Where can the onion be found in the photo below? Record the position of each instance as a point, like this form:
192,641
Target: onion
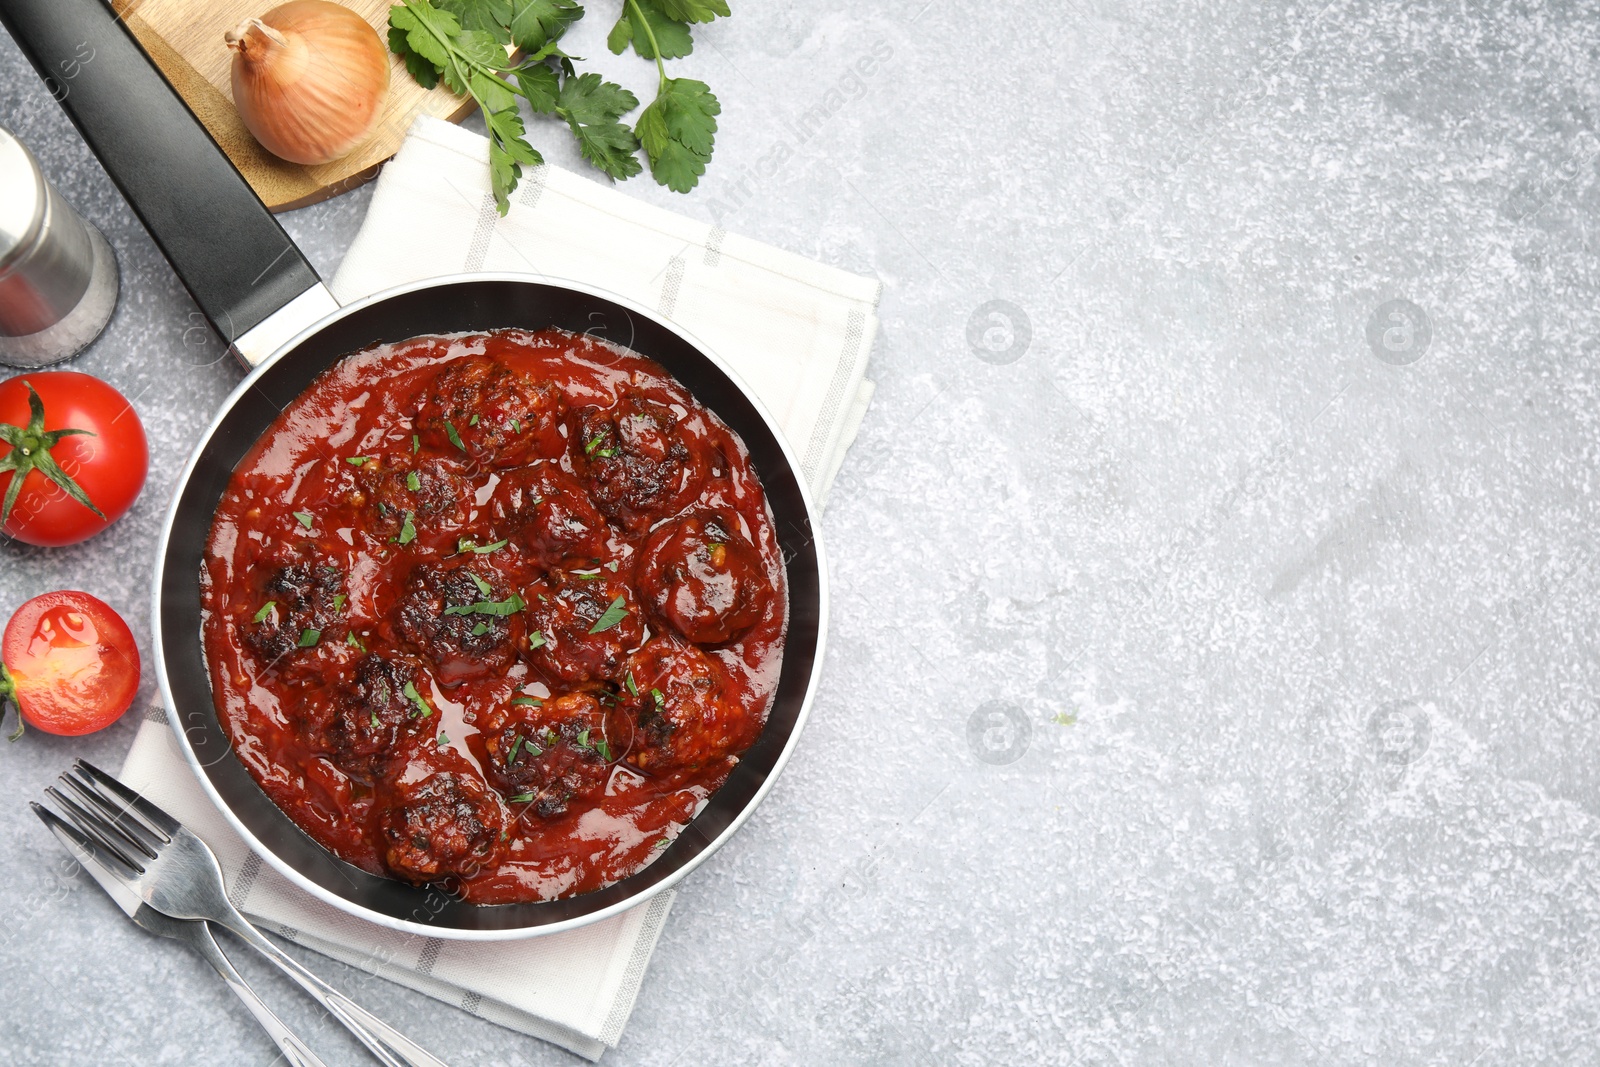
309,78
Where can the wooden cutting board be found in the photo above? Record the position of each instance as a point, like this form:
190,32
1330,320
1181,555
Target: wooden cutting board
184,38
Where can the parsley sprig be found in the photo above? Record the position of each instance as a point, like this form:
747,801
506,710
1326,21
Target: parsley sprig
468,44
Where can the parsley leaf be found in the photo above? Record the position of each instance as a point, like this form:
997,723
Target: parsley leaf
354,642
520,798
633,687
613,615
339,601
511,757
536,640
483,586
306,518
591,107
480,629
693,10
266,609
308,637
357,461
455,438
413,483
423,707
465,545
677,131
408,530
646,24
509,606
603,748
536,23
533,702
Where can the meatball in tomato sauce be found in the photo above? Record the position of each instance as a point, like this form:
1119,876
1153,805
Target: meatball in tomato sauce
552,754
639,460
491,413
375,713
581,625
549,516
685,718
466,624
703,578
440,819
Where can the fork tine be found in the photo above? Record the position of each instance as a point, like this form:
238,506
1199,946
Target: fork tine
147,839
59,826
152,814
107,838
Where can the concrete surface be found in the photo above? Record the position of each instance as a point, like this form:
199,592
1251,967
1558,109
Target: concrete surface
1213,674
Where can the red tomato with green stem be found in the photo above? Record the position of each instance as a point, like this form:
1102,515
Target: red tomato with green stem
69,663
73,457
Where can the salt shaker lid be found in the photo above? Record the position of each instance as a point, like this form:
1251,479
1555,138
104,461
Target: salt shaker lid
22,198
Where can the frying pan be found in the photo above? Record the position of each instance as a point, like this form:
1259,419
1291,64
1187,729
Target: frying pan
266,302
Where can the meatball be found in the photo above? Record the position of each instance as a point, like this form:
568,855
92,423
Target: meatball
685,721
549,515
301,600
495,415
435,616
440,819
581,625
375,712
548,756
434,492
703,578
639,461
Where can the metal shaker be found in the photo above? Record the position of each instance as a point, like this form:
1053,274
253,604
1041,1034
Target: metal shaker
58,277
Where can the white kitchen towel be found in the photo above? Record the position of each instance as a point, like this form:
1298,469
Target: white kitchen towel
796,331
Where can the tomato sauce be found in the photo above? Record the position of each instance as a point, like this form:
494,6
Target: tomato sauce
494,611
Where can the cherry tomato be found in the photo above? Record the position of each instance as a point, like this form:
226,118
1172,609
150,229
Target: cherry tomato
79,451
70,664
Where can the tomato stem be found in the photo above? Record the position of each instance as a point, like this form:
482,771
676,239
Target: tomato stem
30,451
8,695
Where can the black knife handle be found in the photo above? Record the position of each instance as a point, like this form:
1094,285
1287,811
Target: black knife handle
220,238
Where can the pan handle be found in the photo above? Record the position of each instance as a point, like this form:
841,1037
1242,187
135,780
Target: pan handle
223,242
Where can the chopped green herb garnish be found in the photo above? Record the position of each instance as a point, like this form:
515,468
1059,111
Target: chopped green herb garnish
516,426
306,518
309,637
455,438
661,843
423,707
443,740
516,744
483,586
613,615
474,420
583,738
467,545
338,601
520,798
416,444
413,483
593,444
606,453
536,640
354,642
480,629
509,606
266,609
375,723
604,749
527,701
661,701
356,461
612,566
408,530
633,687
586,576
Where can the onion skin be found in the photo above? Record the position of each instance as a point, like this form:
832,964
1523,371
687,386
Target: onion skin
309,79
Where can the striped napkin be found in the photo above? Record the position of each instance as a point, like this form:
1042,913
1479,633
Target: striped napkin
796,331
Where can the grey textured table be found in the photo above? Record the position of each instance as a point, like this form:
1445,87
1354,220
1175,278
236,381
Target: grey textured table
1213,673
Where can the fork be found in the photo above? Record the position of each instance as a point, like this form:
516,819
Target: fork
195,934
177,874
